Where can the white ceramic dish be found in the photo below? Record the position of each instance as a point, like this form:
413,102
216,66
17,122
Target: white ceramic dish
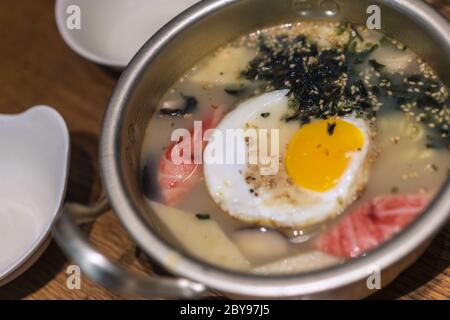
112,31
33,169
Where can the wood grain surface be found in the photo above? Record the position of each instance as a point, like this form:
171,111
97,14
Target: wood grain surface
37,67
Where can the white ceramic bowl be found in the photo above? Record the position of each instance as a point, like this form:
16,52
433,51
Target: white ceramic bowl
112,31
33,170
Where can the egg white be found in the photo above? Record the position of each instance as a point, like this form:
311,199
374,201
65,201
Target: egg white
278,202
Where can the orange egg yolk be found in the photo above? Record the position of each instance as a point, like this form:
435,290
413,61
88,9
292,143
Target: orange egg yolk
320,152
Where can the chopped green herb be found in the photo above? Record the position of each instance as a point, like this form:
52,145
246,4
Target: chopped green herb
385,41
376,65
358,57
415,78
293,103
330,128
236,90
191,104
401,47
202,216
358,35
341,29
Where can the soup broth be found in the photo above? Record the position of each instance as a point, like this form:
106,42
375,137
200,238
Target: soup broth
384,114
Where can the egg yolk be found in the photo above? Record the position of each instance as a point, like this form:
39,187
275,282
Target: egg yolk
320,152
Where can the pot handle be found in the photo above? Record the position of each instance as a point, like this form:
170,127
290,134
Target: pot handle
103,271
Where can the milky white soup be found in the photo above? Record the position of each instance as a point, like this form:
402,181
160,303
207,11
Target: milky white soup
362,132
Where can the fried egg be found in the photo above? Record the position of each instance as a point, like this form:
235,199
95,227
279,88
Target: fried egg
321,166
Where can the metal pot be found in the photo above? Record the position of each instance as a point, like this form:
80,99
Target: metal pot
158,64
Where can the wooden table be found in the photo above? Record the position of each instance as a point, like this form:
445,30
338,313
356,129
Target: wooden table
36,67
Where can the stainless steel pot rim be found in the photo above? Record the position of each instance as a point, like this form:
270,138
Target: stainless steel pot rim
421,230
